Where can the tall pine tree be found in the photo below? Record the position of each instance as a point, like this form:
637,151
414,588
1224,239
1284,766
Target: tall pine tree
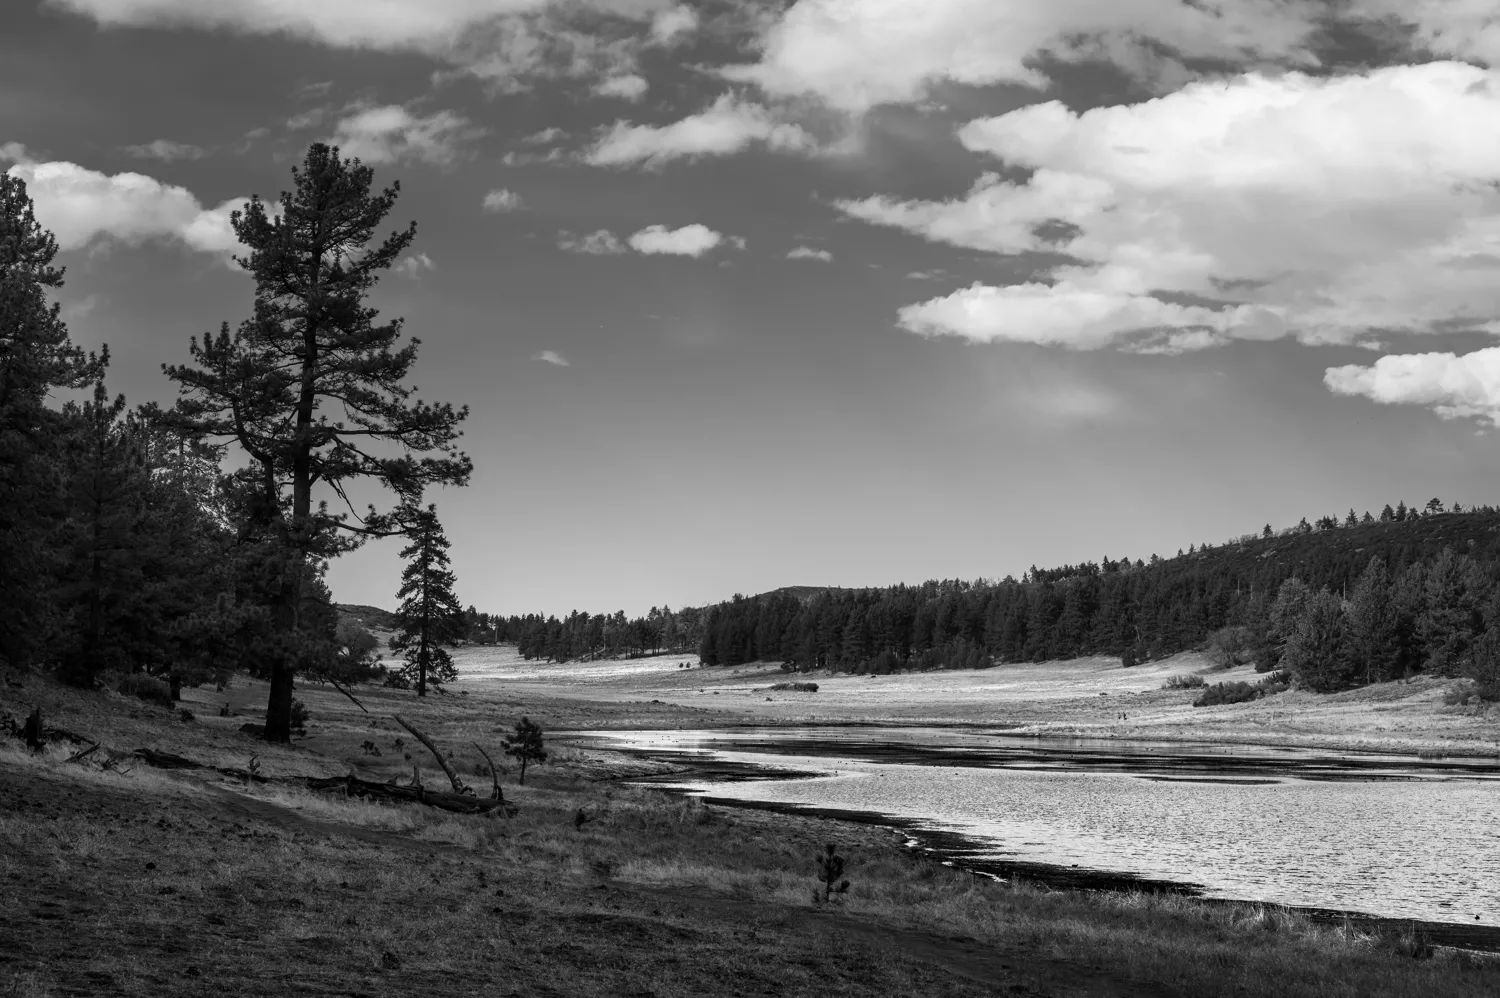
430,616
315,391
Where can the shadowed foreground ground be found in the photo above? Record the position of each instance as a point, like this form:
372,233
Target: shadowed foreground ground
153,883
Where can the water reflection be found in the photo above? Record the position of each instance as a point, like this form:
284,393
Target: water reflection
1383,835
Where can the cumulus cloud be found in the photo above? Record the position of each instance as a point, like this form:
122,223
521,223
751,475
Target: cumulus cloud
690,240
83,206
502,200
392,133
855,54
1062,315
413,265
551,357
166,151
628,86
727,126
1451,385
599,243
808,253
1341,207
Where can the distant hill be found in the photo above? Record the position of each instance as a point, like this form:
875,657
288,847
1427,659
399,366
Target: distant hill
1138,609
372,617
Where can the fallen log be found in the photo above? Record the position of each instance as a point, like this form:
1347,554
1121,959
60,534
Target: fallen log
166,760
369,790
458,785
82,754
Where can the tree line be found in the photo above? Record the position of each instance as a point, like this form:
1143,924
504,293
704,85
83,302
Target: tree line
1223,597
581,635
191,541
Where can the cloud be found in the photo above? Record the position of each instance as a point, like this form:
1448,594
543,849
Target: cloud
1463,29
1343,207
413,265
551,357
727,126
507,44
13,152
545,136
1453,386
670,25
1062,315
855,54
311,118
166,151
502,200
391,133
690,240
628,86
600,243
808,253
83,206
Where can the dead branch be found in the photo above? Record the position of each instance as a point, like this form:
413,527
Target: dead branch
456,803
458,785
82,754
497,793
346,693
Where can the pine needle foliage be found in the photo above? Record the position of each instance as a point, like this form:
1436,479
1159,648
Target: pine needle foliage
314,389
430,616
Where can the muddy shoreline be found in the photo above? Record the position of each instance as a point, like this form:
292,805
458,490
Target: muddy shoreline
965,854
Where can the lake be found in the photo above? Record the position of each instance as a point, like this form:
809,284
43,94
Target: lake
1387,836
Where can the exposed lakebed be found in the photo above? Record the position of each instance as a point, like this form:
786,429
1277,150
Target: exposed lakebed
1392,837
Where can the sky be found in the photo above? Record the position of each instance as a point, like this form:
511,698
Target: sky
828,292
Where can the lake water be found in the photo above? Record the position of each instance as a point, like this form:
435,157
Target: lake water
1386,836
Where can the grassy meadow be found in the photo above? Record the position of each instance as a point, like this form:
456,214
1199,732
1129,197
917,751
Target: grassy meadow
123,879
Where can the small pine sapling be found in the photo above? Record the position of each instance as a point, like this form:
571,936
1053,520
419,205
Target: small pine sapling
526,745
830,872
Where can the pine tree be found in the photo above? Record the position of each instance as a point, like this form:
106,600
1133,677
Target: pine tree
1351,520
525,745
430,616
314,391
36,359
1387,514
1372,636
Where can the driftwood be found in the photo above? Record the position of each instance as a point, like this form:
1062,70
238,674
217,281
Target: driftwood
496,793
458,785
456,803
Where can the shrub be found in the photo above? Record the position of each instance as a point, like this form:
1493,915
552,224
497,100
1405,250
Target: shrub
147,688
1220,693
299,717
1184,681
797,687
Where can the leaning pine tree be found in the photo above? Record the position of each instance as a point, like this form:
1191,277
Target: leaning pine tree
315,393
430,616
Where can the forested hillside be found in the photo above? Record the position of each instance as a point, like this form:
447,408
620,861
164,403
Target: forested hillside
1429,607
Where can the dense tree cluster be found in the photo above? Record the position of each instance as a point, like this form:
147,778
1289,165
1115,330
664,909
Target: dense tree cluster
581,635
193,541
1227,597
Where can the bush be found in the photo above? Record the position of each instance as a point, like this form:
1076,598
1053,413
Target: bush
1185,681
299,717
147,688
797,687
1221,693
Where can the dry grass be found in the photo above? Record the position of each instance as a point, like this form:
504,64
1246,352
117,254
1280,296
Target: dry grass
153,883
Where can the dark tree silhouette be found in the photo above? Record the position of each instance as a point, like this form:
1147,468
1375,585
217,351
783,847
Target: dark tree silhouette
430,616
314,390
525,745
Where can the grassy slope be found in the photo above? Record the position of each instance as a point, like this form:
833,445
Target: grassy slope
152,883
